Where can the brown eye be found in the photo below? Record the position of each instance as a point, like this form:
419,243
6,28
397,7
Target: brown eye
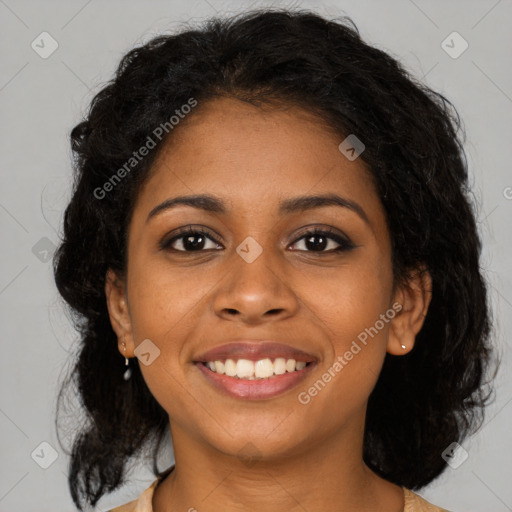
190,240
318,240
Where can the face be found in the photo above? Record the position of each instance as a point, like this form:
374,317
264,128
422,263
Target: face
255,271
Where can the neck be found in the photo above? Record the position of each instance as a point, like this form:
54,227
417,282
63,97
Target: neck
327,477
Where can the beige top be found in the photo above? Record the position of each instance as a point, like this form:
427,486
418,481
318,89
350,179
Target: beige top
144,503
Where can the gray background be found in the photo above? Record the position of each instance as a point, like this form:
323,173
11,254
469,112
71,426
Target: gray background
42,99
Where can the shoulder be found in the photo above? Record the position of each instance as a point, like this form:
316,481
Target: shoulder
127,507
142,504
415,503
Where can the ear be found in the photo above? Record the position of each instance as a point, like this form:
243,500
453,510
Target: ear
414,297
117,304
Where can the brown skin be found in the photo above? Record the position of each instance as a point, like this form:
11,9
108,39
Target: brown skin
309,456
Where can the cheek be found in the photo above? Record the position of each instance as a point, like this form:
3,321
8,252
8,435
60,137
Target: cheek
352,307
350,298
167,307
357,339
161,301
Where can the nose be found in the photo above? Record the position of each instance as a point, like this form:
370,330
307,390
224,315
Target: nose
255,292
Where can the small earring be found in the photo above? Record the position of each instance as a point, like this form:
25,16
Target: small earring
128,373
404,347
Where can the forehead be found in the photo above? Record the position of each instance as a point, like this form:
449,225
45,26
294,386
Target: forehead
253,157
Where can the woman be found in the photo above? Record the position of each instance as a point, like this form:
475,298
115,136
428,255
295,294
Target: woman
271,224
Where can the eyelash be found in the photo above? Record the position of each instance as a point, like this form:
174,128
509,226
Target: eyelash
344,243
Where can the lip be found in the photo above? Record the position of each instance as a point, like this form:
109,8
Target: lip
257,389
254,351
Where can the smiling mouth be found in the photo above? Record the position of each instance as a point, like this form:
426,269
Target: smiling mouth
245,369
253,380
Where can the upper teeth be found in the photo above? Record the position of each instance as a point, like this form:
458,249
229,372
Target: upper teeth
262,369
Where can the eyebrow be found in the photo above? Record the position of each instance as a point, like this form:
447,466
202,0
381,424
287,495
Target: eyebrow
212,204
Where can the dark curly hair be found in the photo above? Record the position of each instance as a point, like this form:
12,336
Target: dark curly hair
422,401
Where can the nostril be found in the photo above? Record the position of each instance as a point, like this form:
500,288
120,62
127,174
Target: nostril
273,312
